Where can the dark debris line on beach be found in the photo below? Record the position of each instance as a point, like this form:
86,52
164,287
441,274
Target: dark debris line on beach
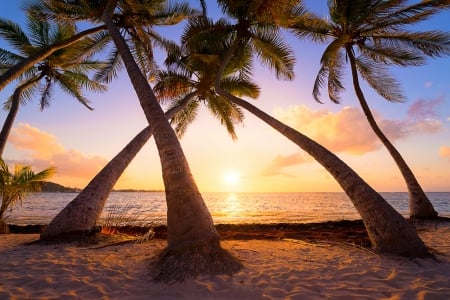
339,231
346,231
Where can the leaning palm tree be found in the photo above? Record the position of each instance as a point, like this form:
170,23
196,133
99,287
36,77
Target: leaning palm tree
388,231
370,35
67,67
193,242
15,186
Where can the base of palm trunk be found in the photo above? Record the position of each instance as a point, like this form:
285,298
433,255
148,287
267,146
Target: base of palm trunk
404,242
206,258
4,228
81,236
428,215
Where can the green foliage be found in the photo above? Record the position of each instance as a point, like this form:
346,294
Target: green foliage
68,67
380,34
15,186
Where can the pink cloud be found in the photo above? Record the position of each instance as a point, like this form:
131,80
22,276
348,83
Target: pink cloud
344,131
43,150
348,130
444,151
425,109
282,161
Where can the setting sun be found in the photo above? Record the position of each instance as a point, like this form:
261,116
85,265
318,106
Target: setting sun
231,177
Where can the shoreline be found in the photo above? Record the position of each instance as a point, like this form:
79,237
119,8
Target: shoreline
275,267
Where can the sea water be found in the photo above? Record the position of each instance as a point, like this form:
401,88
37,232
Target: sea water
144,208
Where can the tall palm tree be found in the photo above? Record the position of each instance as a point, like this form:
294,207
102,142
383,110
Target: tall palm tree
370,35
193,242
185,89
389,232
82,213
68,67
15,186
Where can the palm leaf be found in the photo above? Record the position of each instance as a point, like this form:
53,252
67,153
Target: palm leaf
379,79
275,54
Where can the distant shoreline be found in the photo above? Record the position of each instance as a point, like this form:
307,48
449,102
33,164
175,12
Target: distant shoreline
51,187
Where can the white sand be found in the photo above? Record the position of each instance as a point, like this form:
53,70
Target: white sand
273,270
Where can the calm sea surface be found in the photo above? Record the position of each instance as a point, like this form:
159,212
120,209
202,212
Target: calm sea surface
149,207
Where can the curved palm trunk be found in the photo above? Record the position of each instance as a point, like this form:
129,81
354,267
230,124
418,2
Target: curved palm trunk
388,231
419,204
193,242
27,63
82,213
7,125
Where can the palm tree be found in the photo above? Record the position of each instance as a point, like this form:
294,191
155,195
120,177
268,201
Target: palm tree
193,242
67,67
80,216
185,89
389,232
17,65
370,35
15,186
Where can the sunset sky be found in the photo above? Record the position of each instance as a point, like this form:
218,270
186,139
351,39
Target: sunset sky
79,142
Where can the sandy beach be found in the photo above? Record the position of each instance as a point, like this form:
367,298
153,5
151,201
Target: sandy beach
274,269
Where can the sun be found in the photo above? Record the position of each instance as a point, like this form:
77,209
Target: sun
231,177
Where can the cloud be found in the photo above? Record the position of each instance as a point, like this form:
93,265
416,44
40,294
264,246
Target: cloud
444,151
348,131
428,84
282,161
42,150
344,131
425,109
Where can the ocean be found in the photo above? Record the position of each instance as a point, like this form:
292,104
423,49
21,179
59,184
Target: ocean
146,208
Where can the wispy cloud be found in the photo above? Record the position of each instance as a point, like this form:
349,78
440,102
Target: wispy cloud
42,150
444,151
425,109
281,161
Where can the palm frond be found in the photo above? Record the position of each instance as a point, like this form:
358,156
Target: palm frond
228,114
46,94
429,43
170,85
15,36
379,79
389,54
392,14
69,85
113,64
275,53
8,59
311,28
184,118
239,87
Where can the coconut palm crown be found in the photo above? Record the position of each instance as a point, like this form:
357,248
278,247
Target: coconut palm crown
67,68
371,35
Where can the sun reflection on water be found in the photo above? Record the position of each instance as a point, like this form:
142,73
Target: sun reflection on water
232,205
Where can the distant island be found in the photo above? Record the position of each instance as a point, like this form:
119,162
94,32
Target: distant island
51,187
